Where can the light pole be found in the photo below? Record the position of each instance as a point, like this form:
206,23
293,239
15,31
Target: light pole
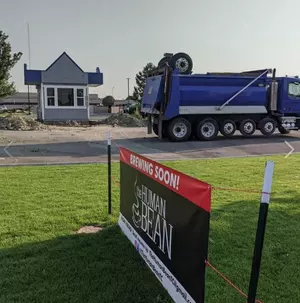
112,91
128,79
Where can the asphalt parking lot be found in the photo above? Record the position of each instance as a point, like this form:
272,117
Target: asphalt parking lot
58,145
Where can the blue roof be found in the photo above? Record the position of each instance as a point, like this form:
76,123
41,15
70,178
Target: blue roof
31,76
34,77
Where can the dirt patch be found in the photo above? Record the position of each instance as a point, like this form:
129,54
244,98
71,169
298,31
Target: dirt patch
68,123
14,110
89,229
20,122
124,120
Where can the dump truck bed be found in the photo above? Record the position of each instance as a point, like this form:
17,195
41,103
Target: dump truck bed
204,93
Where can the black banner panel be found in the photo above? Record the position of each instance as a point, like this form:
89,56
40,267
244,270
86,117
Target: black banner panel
165,214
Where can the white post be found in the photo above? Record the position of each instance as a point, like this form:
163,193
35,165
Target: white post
268,179
108,138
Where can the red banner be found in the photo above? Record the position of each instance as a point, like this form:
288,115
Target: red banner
188,187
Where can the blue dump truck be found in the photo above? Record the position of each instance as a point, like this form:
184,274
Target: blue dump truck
181,105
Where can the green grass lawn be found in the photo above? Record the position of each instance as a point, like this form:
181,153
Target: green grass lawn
42,259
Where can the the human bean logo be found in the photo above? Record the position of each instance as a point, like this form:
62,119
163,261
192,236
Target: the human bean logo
149,214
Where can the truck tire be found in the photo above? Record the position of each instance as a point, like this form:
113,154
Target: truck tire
247,127
283,131
182,62
267,126
207,129
227,128
162,62
179,130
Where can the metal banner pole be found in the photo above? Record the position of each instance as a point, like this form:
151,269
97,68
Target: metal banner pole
260,232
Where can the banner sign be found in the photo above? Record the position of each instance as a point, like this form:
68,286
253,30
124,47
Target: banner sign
165,214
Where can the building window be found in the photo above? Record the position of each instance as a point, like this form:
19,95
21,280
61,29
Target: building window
65,97
50,96
80,97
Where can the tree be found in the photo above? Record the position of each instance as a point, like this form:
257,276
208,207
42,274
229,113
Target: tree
108,101
140,80
130,98
7,61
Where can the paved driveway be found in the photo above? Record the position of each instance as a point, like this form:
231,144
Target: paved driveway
84,145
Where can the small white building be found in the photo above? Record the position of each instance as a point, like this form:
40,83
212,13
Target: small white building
63,90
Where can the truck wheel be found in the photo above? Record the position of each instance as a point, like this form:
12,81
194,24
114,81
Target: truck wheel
227,128
162,62
267,126
182,62
283,131
207,129
179,130
247,127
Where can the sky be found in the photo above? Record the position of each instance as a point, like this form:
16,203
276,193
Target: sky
122,36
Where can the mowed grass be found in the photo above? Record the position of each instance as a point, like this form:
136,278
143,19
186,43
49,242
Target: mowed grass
42,259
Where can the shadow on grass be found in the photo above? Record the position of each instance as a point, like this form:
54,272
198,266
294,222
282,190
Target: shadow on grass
102,267
232,237
105,267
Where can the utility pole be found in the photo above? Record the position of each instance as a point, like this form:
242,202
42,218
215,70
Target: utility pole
29,50
128,79
29,59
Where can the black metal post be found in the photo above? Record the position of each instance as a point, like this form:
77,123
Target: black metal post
261,226
109,172
260,232
149,124
163,104
29,105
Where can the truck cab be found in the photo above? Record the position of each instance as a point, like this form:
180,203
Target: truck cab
289,96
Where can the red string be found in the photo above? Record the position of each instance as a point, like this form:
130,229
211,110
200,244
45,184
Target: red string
118,146
240,190
224,188
229,282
